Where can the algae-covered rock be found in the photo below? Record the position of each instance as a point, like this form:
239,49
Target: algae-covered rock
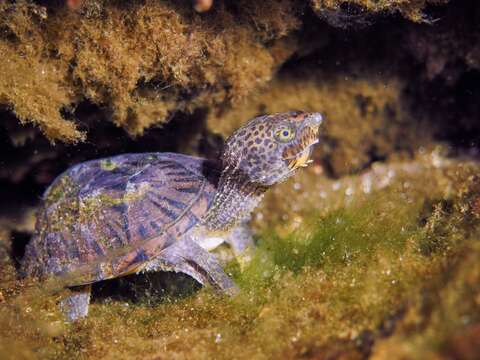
345,13
139,60
144,61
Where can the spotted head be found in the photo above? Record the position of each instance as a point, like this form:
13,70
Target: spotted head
268,149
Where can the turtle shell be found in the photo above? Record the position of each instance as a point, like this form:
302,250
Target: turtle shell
107,218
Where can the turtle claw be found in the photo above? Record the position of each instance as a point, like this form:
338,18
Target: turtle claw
232,291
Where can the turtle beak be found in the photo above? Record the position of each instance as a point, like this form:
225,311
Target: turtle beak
314,119
313,122
309,138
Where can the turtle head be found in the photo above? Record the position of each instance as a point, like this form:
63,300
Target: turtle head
268,149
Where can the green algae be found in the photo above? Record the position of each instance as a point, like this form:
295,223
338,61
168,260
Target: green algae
393,270
69,210
108,165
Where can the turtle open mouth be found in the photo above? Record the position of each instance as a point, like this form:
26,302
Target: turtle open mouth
302,159
298,153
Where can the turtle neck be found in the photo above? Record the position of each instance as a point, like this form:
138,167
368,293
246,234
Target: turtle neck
235,199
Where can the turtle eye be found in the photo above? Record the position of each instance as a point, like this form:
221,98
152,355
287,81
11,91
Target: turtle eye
284,134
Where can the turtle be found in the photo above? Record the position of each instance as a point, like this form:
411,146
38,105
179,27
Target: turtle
148,212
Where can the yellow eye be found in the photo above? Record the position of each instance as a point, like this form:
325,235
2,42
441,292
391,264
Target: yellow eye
284,134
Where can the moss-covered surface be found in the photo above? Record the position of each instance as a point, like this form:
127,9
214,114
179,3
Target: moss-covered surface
341,12
390,269
143,61
140,60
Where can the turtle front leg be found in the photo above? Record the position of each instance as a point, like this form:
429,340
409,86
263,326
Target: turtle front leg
187,257
240,239
75,306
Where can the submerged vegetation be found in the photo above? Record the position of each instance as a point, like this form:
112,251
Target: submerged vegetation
393,271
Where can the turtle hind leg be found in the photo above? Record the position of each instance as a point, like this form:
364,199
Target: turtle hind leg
187,257
75,306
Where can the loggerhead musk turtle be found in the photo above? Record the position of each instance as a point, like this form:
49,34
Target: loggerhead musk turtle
130,213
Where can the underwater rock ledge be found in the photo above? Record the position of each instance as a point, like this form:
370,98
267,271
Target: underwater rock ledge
142,61
139,60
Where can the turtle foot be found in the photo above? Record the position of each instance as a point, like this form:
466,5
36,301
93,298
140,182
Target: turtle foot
75,306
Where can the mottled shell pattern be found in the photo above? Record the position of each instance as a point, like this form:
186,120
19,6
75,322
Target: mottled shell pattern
105,218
